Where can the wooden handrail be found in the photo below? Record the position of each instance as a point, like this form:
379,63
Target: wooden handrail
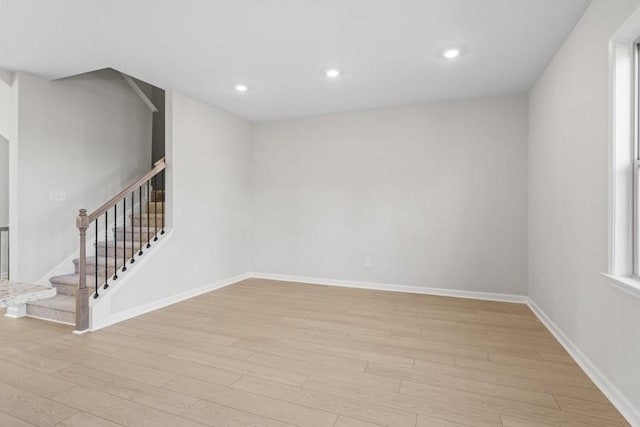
159,166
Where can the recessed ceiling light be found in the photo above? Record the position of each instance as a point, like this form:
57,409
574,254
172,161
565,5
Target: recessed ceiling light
333,73
451,53
241,88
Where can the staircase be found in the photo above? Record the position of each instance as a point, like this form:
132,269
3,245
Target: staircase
114,252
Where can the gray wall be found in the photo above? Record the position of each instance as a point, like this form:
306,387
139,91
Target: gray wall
568,205
87,136
158,131
4,202
4,181
208,154
5,100
435,195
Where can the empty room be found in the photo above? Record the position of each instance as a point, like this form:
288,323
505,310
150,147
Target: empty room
336,213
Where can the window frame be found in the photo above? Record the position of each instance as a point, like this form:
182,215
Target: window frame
623,270
635,164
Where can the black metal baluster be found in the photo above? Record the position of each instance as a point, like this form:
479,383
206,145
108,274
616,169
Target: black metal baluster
124,234
155,213
140,213
163,193
133,222
115,240
106,252
148,215
95,261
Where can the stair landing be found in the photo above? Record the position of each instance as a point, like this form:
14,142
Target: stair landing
12,293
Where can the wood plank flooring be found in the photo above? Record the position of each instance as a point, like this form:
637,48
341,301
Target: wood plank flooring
267,353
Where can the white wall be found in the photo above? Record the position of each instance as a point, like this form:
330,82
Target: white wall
435,194
4,203
568,185
208,180
88,136
5,100
4,181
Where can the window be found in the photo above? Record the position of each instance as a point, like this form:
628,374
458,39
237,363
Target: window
624,185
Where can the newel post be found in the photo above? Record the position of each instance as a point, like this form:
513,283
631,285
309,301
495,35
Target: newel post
82,294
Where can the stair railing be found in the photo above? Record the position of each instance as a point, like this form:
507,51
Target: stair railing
151,189
4,253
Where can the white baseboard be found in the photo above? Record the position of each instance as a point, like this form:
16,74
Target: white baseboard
617,398
17,311
50,320
487,296
137,311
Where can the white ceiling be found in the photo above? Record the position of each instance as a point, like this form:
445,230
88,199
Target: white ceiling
390,50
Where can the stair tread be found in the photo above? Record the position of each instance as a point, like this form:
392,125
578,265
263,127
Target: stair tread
136,229
91,260
144,213
59,302
149,221
74,279
119,242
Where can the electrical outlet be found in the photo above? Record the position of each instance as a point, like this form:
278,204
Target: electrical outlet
179,211
196,266
367,262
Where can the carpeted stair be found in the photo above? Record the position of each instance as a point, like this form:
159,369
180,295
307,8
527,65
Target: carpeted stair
139,230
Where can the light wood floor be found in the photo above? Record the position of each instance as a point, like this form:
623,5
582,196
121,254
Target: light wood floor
263,353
